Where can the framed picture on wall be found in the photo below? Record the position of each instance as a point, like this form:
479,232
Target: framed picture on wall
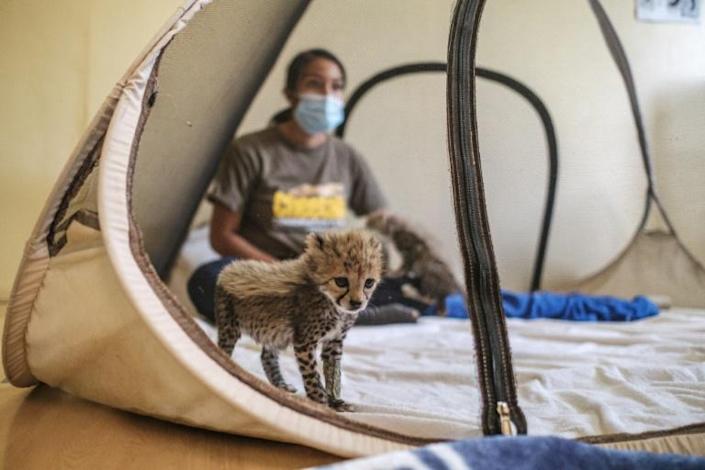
668,11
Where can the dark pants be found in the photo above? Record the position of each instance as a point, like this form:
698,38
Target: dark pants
201,289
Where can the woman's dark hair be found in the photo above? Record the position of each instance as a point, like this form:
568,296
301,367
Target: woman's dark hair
302,59
296,68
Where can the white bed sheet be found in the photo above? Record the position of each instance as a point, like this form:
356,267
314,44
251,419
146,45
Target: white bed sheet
575,379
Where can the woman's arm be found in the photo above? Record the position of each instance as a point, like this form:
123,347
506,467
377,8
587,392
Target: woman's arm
366,196
227,242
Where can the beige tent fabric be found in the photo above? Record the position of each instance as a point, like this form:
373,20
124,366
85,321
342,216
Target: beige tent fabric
688,440
654,264
24,293
107,352
206,79
108,355
136,354
688,444
35,259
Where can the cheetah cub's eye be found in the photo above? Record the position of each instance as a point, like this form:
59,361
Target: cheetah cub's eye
341,281
369,283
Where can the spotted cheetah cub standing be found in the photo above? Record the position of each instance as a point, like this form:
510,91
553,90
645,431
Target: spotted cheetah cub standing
312,299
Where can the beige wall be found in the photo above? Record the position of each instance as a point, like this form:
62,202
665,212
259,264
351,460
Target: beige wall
63,57
57,63
557,50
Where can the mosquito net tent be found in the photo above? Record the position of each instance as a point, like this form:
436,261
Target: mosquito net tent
91,311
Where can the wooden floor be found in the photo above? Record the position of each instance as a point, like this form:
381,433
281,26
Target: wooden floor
45,428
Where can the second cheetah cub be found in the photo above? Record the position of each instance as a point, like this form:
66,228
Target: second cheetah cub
312,299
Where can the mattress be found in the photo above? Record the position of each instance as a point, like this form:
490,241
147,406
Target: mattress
574,379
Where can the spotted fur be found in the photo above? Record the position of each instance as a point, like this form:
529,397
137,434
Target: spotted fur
432,279
311,300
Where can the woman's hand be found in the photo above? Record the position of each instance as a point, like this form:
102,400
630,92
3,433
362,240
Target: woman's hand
226,240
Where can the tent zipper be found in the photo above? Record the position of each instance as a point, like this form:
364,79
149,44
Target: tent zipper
505,421
496,379
500,409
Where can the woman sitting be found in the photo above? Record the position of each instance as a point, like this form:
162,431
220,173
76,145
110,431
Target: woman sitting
276,185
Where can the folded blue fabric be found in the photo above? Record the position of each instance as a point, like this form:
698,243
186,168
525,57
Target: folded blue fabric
572,306
494,453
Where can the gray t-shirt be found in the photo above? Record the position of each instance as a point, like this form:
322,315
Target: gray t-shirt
284,192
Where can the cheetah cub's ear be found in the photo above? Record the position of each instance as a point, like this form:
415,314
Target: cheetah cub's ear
314,241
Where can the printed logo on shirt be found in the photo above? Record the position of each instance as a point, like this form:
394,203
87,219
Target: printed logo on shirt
310,207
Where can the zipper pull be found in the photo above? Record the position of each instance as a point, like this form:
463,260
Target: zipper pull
505,421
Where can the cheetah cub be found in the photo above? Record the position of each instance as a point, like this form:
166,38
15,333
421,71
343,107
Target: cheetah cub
312,299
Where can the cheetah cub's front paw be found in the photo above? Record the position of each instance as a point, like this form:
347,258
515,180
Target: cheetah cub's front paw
339,405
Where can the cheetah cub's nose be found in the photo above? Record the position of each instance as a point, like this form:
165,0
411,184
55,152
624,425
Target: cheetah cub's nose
355,304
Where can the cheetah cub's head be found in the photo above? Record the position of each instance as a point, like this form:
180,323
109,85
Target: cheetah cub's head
347,266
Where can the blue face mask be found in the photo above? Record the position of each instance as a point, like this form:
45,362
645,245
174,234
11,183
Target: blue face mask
319,113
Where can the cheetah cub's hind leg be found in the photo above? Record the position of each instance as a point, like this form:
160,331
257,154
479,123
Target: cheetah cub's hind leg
270,364
226,321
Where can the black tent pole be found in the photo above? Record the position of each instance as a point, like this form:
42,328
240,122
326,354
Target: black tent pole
551,142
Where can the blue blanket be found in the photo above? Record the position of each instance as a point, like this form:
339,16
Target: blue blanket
573,306
494,453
